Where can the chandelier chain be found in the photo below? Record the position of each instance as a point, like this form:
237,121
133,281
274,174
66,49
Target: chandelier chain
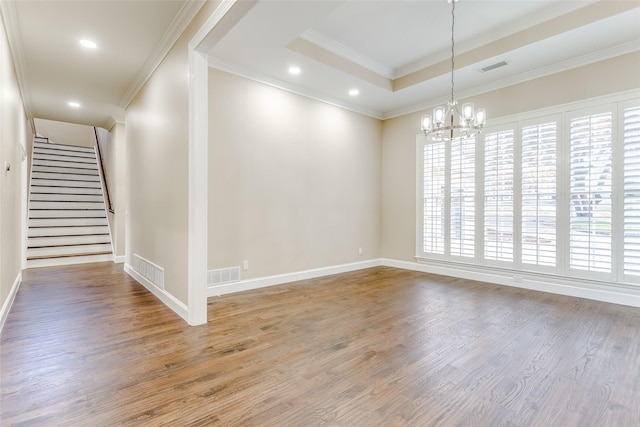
453,24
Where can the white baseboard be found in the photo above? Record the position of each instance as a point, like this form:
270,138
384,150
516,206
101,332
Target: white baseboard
262,282
118,259
6,306
582,288
169,300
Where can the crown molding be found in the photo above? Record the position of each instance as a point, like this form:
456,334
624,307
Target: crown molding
110,123
14,37
478,90
559,67
289,87
346,52
333,46
556,10
182,19
202,41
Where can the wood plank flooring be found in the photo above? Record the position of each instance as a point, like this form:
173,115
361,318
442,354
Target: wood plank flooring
86,345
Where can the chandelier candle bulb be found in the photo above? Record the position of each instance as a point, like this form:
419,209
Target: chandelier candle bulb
438,116
426,122
468,112
481,117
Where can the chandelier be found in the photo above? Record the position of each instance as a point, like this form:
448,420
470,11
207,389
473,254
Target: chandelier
447,122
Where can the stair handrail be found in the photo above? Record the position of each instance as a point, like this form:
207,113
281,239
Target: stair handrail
103,175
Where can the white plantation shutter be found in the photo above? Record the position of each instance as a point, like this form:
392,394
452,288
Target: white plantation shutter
631,138
538,197
463,198
498,195
591,147
556,193
433,236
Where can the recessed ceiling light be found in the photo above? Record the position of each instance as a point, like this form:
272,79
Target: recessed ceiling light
73,104
354,92
294,70
88,44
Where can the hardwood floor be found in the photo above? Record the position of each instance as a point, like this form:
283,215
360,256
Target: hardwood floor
86,345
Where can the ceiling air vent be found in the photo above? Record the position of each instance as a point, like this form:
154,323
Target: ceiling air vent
493,66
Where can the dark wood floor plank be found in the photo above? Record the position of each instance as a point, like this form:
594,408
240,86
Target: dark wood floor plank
378,347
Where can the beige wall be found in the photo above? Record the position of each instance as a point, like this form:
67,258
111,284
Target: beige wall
112,145
65,133
399,136
157,149
13,138
294,184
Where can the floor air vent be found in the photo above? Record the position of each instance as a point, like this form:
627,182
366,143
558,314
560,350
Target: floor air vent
223,276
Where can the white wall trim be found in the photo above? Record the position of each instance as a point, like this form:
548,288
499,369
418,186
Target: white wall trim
263,282
582,288
185,15
346,52
203,40
210,23
169,300
247,73
6,306
527,76
118,259
198,188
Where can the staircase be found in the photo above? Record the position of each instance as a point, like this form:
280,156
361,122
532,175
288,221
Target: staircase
67,216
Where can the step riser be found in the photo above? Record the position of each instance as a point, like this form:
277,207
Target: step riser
65,197
36,189
63,147
67,250
51,262
76,165
62,222
64,183
63,158
75,213
38,242
77,172
65,176
64,231
39,152
57,205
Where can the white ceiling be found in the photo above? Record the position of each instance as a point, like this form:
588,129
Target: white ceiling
53,69
396,52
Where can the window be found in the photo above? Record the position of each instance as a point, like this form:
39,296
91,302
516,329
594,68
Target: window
433,198
552,193
462,206
498,196
538,201
591,149
631,137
